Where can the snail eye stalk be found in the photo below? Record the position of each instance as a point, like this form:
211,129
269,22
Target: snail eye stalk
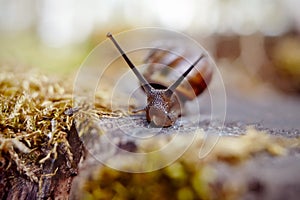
172,88
145,84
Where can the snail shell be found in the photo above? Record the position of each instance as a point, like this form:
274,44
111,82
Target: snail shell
164,68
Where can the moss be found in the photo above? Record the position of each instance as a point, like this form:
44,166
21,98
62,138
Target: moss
36,118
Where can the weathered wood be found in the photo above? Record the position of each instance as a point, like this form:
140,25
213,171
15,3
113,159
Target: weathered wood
53,184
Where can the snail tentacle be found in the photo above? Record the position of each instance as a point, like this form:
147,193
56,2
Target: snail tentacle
170,90
145,84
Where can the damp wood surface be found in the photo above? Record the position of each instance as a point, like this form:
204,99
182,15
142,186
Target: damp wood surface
49,150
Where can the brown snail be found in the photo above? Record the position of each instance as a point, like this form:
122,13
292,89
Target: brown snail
163,98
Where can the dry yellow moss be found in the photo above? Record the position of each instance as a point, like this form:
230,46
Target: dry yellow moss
32,119
36,115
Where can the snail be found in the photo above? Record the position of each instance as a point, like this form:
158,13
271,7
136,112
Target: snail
163,99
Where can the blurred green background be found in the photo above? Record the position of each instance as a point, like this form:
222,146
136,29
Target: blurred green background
56,35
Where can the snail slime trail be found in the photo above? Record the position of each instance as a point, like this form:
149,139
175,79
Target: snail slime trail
163,106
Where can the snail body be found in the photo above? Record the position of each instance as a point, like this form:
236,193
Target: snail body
165,91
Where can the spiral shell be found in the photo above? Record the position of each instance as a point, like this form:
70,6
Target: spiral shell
164,68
